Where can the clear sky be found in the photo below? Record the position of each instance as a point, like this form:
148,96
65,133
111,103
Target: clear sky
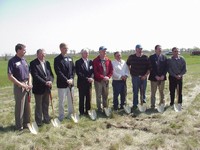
116,24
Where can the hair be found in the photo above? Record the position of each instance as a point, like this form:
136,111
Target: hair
174,48
19,47
84,50
62,45
116,52
39,50
156,46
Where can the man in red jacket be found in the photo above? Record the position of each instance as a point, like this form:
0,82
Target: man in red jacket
103,71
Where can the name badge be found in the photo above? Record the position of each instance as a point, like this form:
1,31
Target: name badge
18,63
91,67
70,59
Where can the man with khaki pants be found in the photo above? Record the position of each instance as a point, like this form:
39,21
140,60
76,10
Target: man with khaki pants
158,75
103,71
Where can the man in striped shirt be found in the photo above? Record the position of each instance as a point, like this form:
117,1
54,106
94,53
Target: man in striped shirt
139,66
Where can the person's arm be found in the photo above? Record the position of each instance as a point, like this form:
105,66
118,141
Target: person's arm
58,70
183,70
110,69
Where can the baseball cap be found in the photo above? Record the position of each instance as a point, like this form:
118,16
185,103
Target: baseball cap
102,48
138,46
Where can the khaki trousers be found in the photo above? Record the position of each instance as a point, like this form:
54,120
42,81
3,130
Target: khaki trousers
160,85
22,107
101,89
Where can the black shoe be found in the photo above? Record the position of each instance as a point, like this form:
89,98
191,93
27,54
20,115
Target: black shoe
46,121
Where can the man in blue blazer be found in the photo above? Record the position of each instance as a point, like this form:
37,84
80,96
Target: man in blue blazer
64,68
84,71
42,83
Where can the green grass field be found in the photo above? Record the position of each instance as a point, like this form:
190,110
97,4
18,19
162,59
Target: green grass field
150,130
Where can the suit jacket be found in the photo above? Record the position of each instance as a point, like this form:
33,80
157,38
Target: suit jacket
159,66
83,73
64,68
39,76
98,68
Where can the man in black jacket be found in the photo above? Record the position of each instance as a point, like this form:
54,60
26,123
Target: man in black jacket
157,75
84,71
42,83
64,68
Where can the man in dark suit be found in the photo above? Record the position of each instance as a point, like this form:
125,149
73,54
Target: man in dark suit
158,75
42,84
84,71
64,68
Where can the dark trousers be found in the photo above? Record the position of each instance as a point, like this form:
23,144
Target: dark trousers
119,88
22,108
84,99
173,84
42,107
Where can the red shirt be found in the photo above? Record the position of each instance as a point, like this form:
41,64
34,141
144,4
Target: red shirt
98,68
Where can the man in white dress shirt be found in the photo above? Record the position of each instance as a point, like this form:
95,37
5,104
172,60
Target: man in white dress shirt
120,74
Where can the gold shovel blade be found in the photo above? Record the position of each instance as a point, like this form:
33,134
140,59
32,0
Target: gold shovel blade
92,114
142,108
31,128
127,109
161,108
107,111
75,117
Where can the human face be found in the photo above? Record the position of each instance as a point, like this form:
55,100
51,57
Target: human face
158,50
64,50
85,54
138,51
21,52
175,52
41,55
102,53
118,56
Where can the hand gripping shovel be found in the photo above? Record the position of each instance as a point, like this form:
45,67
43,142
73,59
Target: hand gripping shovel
54,121
177,107
32,126
74,116
141,106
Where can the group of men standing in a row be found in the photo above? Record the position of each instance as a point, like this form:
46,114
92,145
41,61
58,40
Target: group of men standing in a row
99,71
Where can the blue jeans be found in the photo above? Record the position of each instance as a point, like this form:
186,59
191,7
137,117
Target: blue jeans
119,88
137,84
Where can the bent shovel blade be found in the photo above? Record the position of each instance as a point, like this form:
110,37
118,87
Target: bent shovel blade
75,117
142,108
107,111
127,109
32,130
92,114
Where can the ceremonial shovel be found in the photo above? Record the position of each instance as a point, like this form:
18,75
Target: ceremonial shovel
74,116
54,121
32,126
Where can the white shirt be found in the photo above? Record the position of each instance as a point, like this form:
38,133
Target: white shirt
43,67
119,69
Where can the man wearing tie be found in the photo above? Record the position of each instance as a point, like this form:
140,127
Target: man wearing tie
42,84
84,71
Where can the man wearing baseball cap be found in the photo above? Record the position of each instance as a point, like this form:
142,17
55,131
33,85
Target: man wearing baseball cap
139,66
103,71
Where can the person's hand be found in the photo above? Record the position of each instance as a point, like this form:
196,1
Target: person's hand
162,78
158,78
26,86
106,78
70,81
49,84
90,80
143,77
178,77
